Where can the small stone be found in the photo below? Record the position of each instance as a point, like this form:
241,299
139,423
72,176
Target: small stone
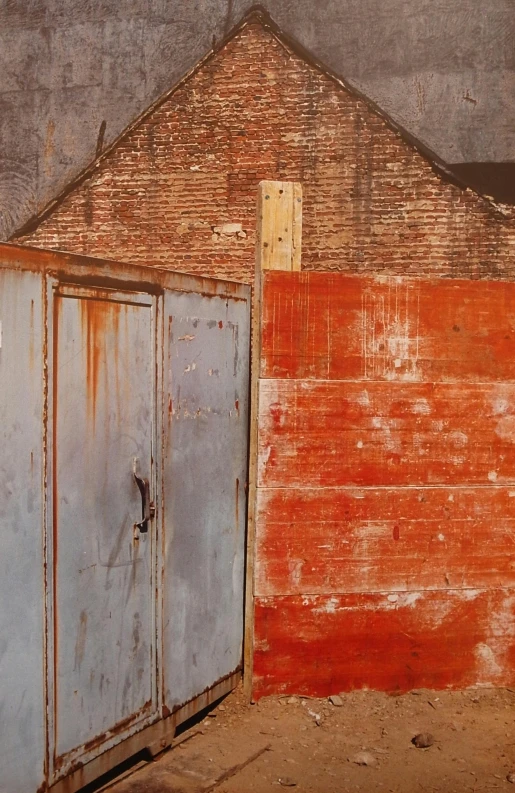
364,758
292,701
423,740
336,700
511,777
286,781
221,708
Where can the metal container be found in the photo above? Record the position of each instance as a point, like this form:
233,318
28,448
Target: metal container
124,421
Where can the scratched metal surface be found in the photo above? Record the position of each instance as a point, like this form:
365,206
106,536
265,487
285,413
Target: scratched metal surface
386,499
204,479
101,407
22,734
103,578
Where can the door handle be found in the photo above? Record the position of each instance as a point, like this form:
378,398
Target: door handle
146,510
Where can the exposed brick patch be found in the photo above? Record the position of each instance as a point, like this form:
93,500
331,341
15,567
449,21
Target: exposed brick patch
258,111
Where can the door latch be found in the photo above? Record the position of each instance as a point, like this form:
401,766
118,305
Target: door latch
148,509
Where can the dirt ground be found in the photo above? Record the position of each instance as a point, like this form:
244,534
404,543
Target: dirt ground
361,743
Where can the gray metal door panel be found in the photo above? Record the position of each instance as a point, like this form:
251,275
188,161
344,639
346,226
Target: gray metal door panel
88,608
104,608
205,469
22,724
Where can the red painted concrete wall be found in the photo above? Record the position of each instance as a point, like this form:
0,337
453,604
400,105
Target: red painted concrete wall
386,503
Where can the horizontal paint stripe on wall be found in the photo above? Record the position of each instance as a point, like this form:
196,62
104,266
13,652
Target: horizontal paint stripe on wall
319,645
340,327
346,433
371,540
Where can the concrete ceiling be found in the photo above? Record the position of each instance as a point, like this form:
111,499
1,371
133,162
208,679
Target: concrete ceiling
73,69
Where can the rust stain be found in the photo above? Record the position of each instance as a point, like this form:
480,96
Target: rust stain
45,592
220,324
205,697
99,739
55,503
100,317
81,270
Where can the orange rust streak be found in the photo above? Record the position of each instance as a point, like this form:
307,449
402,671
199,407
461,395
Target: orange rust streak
99,318
55,500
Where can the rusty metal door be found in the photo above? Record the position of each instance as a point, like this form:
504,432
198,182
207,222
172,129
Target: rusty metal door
123,481
102,645
207,342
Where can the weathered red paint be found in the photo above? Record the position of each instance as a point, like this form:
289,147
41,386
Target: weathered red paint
324,644
335,433
325,540
385,531
336,327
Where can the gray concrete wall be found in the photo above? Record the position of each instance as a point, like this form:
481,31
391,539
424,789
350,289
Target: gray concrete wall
444,69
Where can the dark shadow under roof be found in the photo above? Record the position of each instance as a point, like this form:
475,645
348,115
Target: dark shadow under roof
493,179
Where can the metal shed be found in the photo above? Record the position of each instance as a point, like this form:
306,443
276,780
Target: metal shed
123,469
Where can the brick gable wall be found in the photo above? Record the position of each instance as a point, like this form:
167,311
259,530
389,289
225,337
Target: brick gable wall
166,192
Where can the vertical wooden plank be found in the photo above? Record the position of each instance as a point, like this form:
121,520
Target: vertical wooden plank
279,226
278,247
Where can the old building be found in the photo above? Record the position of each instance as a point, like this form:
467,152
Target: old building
178,189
